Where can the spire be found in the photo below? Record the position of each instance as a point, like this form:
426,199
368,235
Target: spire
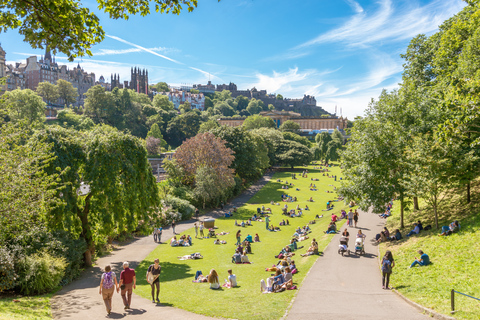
78,65
47,54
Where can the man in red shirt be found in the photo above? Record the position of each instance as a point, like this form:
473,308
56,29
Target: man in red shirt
127,282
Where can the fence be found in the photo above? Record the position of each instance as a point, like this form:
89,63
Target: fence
453,298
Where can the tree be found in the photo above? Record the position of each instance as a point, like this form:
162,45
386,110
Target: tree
295,137
182,127
291,153
194,91
161,101
242,102
208,103
271,138
157,134
100,105
66,92
69,119
257,121
153,145
205,150
222,95
225,109
69,27
207,185
338,136
208,126
271,107
254,107
92,208
48,91
279,97
290,126
161,87
23,105
323,139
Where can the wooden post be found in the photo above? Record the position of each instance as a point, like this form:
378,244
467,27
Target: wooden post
452,300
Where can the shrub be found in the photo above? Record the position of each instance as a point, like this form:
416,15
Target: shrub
39,273
7,270
184,207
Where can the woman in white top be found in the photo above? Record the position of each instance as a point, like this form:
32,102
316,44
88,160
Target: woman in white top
213,279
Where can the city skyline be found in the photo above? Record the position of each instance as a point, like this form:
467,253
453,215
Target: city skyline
343,53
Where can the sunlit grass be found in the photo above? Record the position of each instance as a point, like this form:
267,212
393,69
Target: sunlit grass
26,308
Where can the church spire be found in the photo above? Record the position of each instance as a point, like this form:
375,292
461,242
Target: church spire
47,54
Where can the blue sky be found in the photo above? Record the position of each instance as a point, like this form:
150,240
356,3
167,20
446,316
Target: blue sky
343,52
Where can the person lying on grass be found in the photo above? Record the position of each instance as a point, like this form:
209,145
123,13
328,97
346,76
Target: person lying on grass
282,264
451,228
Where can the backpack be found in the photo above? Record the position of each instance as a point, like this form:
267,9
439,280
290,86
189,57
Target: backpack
108,280
386,265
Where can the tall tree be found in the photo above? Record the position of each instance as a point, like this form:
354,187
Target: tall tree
290,126
66,92
48,91
291,153
257,121
23,105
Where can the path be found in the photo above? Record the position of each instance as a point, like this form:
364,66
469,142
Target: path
350,287
80,300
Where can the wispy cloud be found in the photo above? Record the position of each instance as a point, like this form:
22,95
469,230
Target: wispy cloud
355,6
279,81
388,23
109,52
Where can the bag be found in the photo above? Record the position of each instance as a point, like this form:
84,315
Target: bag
108,280
429,227
386,266
122,287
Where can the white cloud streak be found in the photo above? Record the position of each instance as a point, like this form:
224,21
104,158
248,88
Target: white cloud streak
108,52
354,5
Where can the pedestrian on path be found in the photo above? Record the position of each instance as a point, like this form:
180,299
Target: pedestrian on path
159,234
128,282
387,265
239,241
355,217
201,230
108,284
267,220
196,213
173,226
196,229
153,274
350,218
154,234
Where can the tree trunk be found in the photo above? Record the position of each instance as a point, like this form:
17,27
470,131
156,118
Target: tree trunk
468,192
415,203
402,208
435,210
86,232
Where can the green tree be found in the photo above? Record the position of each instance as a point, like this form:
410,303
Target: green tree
48,91
323,139
195,91
66,92
161,101
208,103
99,105
161,87
271,138
291,153
157,134
225,109
290,126
295,137
208,126
222,95
71,28
279,97
242,102
69,119
271,107
182,127
23,105
257,121
254,107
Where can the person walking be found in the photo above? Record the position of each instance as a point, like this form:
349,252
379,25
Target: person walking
267,220
350,218
239,235
153,277
387,265
196,229
173,226
355,217
196,213
159,234
201,229
128,282
154,234
108,283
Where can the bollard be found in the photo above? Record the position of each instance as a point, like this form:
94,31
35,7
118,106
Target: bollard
452,299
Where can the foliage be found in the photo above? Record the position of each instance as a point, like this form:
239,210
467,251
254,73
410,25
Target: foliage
157,134
39,273
257,121
290,126
254,106
23,105
71,28
153,145
7,270
270,137
69,119
48,91
208,125
182,127
295,137
279,97
182,206
291,153
66,92
161,87
161,101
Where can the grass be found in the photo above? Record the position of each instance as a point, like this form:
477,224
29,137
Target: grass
26,308
455,259
246,301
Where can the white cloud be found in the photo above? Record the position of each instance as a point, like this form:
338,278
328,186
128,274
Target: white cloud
354,5
108,52
388,23
280,81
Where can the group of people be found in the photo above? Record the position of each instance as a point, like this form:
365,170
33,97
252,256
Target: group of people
183,241
282,279
213,279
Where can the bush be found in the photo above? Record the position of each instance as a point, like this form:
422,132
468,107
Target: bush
184,207
39,273
7,270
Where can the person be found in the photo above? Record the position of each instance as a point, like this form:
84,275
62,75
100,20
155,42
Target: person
306,207
128,282
334,217
213,280
278,280
420,226
380,237
196,213
387,264
345,233
237,257
451,228
108,283
355,217
423,261
257,238
238,237
249,238
173,226
350,218
189,240
360,234
244,257
267,220
232,279
201,229
153,274
196,229
173,241
154,234
397,236
416,230
159,234
386,232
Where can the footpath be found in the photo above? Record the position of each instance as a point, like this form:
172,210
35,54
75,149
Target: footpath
350,286
336,287
80,299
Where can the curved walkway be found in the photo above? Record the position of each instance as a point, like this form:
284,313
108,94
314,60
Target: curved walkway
350,287
80,299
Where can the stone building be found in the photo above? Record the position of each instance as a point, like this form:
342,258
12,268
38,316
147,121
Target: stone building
308,125
15,78
138,81
178,97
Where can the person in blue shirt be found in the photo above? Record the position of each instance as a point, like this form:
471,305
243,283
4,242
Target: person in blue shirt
423,261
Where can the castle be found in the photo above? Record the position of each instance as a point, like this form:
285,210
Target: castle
138,81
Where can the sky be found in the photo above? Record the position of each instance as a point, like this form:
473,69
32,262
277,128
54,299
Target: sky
343,52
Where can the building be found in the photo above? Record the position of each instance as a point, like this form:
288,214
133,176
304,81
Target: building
15,78
308,125
101,82
178,97
138,81
207,88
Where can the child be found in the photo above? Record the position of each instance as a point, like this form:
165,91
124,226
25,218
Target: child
232,280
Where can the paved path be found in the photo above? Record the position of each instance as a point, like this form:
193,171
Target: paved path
80,300
350,287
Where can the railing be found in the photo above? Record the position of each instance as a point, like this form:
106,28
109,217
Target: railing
453,298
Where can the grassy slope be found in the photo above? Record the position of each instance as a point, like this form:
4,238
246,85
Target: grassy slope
246,301
27,308
455,259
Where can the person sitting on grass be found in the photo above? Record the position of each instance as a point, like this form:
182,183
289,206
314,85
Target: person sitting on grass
416,230
334,217
448,230
245,257
278,280
423,261
249,238
397,236
313,249
173,241
311,199
237,257
332,228
232,280
380,237
306,207
282,264
248,247
213,280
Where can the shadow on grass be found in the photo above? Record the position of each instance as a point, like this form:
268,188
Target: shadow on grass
170,272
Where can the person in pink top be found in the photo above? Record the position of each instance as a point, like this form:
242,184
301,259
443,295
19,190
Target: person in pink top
334,217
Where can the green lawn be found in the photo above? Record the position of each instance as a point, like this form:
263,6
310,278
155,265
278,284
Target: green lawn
455,260
26,308
246,301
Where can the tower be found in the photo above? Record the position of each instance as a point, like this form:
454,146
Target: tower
2,61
